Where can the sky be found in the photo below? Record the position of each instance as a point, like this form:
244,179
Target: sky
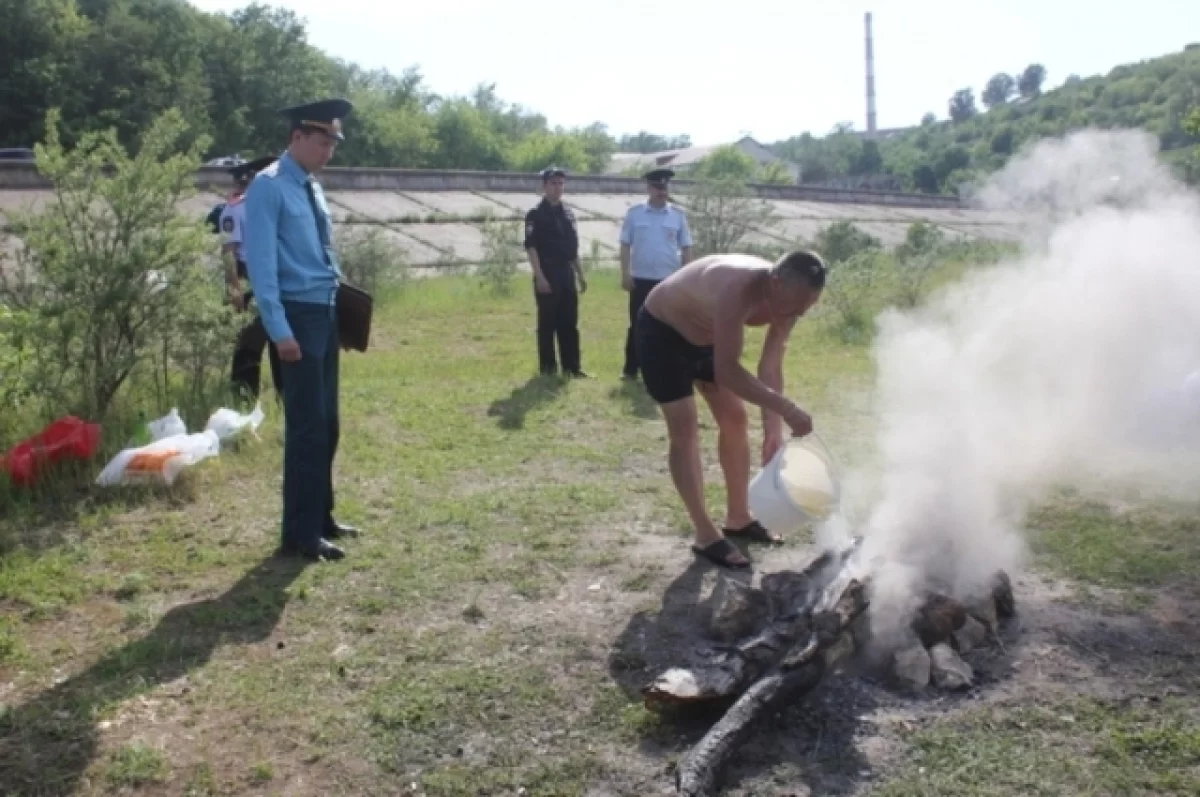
716,70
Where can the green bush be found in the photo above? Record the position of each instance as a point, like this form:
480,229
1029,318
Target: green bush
502,255
854,295
722,214
113,285
368,260
841,241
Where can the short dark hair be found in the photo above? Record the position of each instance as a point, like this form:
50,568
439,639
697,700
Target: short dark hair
803,265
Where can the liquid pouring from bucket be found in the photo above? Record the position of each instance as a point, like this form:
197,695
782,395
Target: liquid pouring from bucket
801,484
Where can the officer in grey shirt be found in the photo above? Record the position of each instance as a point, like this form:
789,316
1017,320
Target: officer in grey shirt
655,243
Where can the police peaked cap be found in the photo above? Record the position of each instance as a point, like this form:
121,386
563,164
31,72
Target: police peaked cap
658,175
325,115
553,171
250,168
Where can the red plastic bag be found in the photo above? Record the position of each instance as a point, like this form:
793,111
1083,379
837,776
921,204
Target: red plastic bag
66,438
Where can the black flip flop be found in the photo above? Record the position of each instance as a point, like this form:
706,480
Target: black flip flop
754,532
718,553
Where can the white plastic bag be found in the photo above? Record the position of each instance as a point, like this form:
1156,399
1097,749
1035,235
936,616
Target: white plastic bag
228,424
168,425
160,461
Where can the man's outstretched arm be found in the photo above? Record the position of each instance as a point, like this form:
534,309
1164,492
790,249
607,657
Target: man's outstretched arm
729,340
770,372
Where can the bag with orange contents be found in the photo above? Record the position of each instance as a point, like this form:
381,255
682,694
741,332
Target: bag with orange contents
161,461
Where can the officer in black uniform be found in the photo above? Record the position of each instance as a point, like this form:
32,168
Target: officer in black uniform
247,355
552,245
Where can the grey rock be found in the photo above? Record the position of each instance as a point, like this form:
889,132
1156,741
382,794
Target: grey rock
972,635
911,668
949,670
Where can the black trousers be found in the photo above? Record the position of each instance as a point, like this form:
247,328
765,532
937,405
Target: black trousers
637,297
311,425
247,359
558,320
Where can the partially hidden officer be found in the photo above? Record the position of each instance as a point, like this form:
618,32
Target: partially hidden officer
295,275
655,243
247,354
552,246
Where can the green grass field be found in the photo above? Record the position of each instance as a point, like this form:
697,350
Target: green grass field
480,639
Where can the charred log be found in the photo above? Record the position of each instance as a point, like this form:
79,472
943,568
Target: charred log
698,774
740,665
798,672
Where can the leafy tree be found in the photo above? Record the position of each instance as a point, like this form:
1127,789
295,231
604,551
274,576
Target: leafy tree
140,58
466,140
38,44
962,105
723,212
121,277
869,160
1192,165
598,145
1000,88
1002,142
774,174
1192,124
259,60
649,142
726,163
536,152
925,179
1029,84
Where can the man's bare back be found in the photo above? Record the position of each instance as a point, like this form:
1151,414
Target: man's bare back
687,300
691,330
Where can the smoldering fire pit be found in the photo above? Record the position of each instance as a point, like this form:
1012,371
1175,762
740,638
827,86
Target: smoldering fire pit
775,643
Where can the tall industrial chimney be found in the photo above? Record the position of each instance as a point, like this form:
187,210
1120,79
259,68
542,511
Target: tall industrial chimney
870,81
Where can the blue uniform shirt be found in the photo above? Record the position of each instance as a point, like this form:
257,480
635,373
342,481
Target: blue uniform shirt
656,236
287,256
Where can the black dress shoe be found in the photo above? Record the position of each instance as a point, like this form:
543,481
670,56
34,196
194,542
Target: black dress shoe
578,374
336,531
325,550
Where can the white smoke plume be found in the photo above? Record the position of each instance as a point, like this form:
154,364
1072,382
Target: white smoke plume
1064,367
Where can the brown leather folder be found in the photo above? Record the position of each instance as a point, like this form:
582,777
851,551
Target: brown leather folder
354,306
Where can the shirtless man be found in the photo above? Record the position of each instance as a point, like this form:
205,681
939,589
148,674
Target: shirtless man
691,330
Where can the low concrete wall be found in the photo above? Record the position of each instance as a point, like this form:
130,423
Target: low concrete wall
19,174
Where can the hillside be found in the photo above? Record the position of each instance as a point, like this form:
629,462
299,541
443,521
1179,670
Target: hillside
1155,94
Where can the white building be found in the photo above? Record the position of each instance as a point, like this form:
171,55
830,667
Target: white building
682,159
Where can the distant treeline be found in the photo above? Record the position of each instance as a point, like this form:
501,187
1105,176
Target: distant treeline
120,63
1157,95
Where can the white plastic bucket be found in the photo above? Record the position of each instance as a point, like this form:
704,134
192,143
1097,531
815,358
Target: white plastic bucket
799,485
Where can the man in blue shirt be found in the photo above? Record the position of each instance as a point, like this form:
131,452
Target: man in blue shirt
655,243
293,268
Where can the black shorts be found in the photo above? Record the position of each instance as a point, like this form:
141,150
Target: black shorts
670,363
